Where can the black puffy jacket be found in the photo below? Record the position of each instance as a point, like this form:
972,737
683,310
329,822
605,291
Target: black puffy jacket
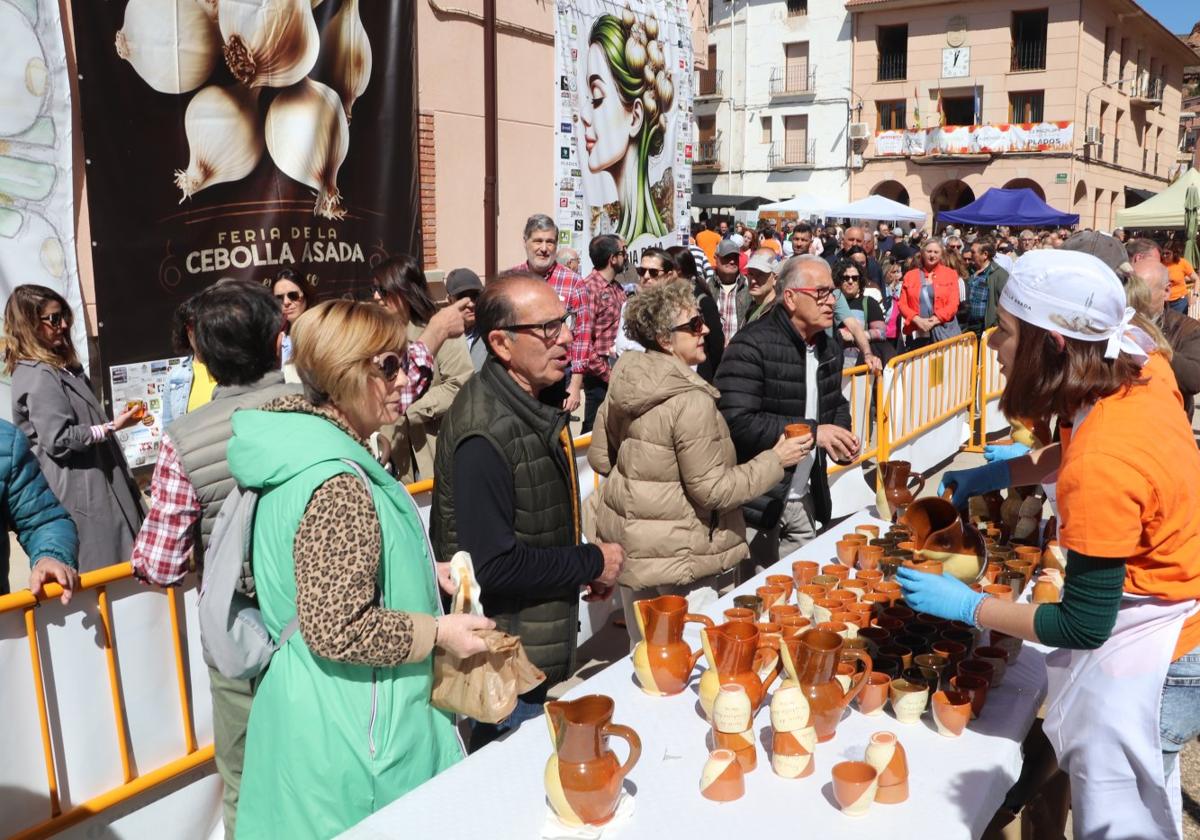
761,380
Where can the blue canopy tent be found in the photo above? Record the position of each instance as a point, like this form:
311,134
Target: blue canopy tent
1017,208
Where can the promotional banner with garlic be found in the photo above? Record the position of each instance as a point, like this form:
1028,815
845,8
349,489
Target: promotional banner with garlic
234,138
37,206
624,122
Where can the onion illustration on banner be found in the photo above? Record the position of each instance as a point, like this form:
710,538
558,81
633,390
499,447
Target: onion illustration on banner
175,47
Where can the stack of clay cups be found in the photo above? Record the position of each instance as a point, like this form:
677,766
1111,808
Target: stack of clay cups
795,736
887,756
733,729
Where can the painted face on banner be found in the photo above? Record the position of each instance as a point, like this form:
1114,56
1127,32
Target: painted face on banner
608,126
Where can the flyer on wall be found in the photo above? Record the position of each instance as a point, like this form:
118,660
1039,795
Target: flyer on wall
623,122
145,387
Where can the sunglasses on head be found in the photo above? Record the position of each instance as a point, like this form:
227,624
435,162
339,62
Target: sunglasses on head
693,325
54,319
294,297
644,271
391,364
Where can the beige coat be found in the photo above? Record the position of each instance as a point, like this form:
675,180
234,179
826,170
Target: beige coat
414,436
674,489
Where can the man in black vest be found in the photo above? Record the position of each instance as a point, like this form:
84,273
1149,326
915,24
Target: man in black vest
506,490
786,368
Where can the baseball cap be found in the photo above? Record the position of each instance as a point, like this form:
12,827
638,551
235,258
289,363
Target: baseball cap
728,247
1101,246
761,262
462,280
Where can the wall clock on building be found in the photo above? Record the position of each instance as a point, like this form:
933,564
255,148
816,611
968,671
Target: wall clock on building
956,62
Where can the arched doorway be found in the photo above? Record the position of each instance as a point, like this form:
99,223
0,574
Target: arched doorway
1079,201
893,190
951,195
1027,183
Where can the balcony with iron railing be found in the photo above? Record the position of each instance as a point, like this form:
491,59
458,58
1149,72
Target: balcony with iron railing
793,80
709,84
793,154
1028,55
893,67
1146,92
708,155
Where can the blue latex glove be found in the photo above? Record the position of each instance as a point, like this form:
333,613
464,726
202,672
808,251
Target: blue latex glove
942,595
999,452
975,482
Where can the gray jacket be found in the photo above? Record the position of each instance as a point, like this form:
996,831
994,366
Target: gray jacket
56,410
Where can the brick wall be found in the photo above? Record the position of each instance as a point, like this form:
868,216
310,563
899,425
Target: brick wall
428,163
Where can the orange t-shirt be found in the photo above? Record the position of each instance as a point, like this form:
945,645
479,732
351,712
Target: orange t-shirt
708,240
1179,271
1129,488
774,245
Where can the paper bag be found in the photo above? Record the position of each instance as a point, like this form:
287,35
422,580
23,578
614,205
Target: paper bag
484,686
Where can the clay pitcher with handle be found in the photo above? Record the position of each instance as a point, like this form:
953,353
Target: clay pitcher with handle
736,653
662,660
893,494
941,532
811,661
583,776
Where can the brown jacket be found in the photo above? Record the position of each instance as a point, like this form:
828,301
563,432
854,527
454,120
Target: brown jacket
674,490
1183,334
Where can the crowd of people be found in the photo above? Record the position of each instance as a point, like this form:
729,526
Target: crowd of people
688,377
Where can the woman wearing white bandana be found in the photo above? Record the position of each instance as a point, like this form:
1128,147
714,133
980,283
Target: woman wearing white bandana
1125,682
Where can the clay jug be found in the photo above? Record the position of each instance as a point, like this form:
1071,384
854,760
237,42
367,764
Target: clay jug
940,532
812,661
894,494
662,660
736,653
583,776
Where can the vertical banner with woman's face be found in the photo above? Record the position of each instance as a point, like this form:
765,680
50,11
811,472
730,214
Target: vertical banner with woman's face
624,113
237,138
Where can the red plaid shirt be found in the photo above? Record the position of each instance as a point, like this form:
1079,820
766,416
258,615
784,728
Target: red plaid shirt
574,295
607,297
163,549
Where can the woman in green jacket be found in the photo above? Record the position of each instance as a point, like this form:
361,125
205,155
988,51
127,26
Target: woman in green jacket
341,723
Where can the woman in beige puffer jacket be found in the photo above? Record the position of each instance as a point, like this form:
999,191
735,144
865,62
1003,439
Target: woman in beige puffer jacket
673,491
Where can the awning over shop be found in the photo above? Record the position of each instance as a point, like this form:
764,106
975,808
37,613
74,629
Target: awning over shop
1009,207
1164,210
1134,196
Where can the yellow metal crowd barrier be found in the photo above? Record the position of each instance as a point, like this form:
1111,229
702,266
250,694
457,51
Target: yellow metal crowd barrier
990,386
863,393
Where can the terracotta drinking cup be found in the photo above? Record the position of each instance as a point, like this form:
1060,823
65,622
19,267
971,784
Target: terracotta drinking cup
999,590
793,430
771,595
847,553
917,644
857,587
964,637
854,786
899,612
778,611
869,557
791,752
920,675
824,608
977,668
955,652
834,627
828,582
974,687
769,634
871,577
1013,578
722,779
1029,553
1009,644
936,662
874,694
750,602
864,612
992,570
1045,592
837,570
891,589
856,537
889,665
847,618
997,657
792,626
877,601
783,581
908,700
869,531
806,596
951,711
874,636
893,625
900,652
740,614
1054,557
803,571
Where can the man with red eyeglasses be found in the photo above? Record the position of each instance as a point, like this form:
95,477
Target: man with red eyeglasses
785,368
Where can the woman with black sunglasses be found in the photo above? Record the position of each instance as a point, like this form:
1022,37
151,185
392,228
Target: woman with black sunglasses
849,277
73,439
714,341
675,489
296,295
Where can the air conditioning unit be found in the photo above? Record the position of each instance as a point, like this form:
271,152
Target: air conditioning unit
859,131
1091,135
856,161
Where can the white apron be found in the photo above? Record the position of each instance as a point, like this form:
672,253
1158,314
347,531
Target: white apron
1102,718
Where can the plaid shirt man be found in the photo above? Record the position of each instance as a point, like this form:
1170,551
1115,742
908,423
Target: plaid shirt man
573,293
977,297
163,549
607,297
727,305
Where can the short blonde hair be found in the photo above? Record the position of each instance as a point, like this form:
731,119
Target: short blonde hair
1138,295
652,313
333,344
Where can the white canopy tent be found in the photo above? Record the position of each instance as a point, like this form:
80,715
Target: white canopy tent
1165,210
803,206
876,208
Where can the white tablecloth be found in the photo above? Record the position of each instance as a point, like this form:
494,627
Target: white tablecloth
956,784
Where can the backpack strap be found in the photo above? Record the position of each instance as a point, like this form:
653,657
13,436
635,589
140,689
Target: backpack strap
292,626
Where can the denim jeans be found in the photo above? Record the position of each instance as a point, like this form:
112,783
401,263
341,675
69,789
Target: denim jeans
483,734
1180,305
595,390
1179,715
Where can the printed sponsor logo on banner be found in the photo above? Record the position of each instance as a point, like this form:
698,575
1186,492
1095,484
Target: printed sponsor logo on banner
565,128
562,202
579,225
687,151
564,152
564,237
563,84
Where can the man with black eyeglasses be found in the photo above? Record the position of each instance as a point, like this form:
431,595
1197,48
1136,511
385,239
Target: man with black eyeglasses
506,490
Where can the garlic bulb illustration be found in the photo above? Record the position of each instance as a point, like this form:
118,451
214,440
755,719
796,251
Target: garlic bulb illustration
268,43
308,137
225,138
209,7
172,44
22,71
346,54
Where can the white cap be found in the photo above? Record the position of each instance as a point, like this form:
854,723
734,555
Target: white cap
761,262
1075,295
